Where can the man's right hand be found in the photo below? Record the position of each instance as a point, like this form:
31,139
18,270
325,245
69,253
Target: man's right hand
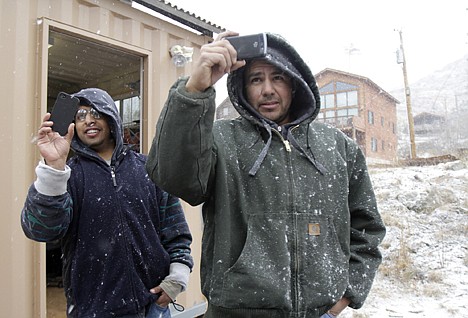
216,59
53,147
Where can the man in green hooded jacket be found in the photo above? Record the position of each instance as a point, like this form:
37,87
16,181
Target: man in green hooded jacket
291,225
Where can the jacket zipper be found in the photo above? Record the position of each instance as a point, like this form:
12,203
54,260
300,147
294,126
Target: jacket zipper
295,283
285,142
114,181
296,244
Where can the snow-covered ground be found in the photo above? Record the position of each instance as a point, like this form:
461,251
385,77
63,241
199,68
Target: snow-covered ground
425,268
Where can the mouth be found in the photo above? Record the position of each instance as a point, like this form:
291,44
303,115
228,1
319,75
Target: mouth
92,132
269,104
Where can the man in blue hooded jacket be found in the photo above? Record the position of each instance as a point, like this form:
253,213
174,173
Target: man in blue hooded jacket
291,225
125,242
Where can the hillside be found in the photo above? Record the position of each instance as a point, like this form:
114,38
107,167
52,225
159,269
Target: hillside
445,93
424,272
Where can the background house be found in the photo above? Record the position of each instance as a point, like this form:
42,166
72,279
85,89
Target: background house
49,46
362,110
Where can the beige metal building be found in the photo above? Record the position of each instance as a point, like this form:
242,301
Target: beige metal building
47,46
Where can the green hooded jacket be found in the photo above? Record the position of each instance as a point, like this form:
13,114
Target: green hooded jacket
291,223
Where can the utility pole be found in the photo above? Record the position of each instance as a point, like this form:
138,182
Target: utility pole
408,98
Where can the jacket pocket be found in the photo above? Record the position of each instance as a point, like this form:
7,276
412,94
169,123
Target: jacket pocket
289,262
322,266
261,276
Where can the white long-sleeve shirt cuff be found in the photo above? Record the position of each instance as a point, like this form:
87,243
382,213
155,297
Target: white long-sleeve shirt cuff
50,181
176,281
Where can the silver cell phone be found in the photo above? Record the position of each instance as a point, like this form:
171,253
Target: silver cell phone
249,46
63,113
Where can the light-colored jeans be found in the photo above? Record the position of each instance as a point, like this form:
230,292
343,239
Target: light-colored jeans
327,315
156,311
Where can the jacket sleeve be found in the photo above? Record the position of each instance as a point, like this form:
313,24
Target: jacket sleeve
47,211
367,232
175,233
181,158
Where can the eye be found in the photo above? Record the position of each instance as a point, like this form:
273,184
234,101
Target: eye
255,80
279,78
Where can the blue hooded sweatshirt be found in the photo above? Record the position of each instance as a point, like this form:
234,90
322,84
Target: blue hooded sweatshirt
119,232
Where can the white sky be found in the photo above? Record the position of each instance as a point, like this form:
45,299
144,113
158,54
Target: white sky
435,33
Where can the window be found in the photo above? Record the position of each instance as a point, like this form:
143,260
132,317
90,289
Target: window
129,109
339,102
383,145
353,111
370,117
346,99
382,121
352,98
374,144
342,112
330,114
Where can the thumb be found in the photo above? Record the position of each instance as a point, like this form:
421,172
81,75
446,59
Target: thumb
70,132
156,290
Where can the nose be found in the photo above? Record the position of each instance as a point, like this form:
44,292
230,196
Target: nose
268,88
89,119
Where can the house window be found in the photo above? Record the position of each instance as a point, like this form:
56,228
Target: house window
383,145
328,100
330,114
374,144
341,99
353,111
370,117
382,121
346,99
339,102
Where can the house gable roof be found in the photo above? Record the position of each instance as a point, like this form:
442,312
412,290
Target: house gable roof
358,77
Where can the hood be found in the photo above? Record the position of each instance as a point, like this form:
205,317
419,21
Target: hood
304,107
306,101
101,101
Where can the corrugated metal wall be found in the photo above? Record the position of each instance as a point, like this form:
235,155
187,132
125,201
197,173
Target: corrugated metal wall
24,89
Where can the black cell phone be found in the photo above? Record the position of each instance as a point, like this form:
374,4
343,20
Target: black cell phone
249,46
64,112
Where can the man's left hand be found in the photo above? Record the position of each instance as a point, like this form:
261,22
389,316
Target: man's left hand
163,299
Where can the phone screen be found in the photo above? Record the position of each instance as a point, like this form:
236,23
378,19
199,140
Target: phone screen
63,113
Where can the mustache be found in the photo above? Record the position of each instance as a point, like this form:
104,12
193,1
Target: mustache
268,99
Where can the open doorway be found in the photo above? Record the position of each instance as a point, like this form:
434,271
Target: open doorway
76,62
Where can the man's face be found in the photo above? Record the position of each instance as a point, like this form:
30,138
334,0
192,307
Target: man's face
93,132
269,91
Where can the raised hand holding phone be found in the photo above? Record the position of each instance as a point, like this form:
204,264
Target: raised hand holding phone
56,132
